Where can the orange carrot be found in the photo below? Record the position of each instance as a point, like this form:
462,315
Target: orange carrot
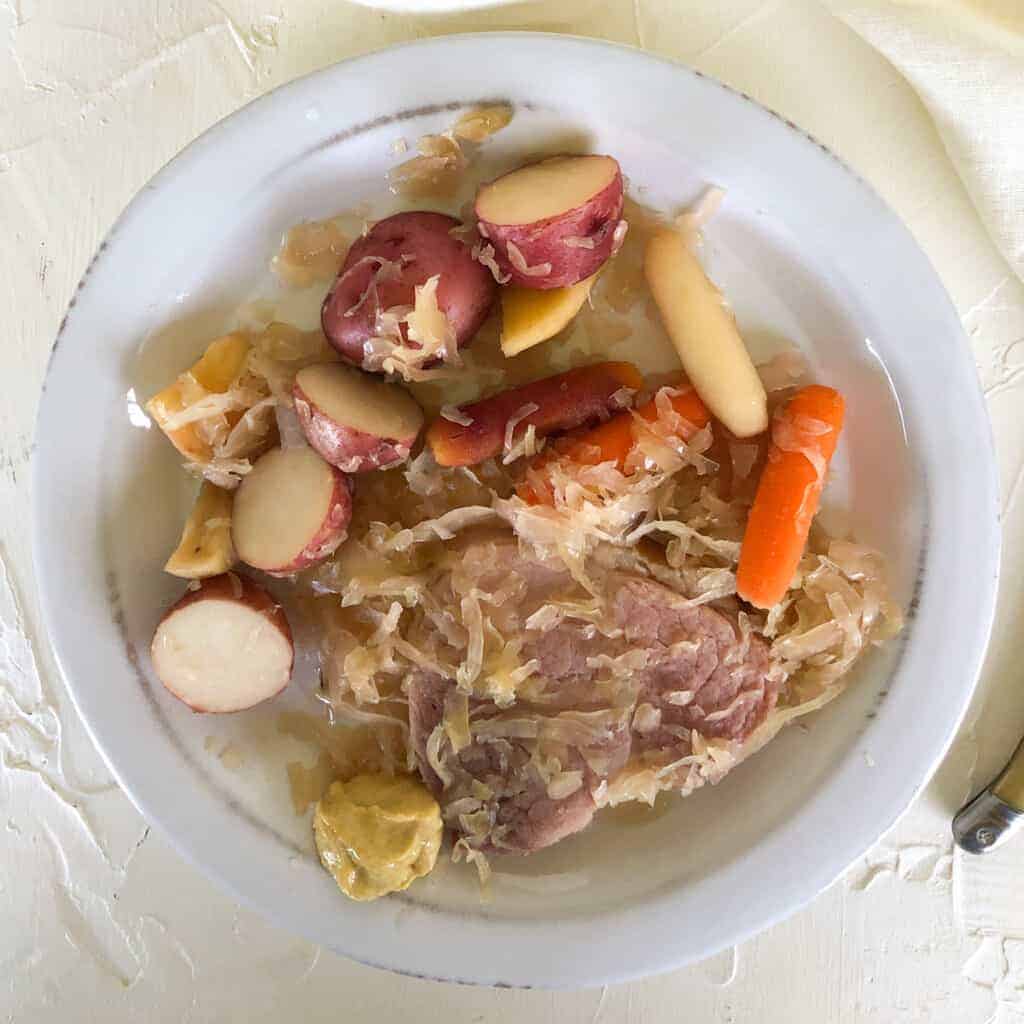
562,402
804,435
612,441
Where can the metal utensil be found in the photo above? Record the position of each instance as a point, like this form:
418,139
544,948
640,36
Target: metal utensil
996,813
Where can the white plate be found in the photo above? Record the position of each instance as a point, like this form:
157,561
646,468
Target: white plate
805,251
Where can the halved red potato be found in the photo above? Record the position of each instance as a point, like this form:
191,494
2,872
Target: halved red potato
383,269
356,422
291,511
554,222
225,646
562,402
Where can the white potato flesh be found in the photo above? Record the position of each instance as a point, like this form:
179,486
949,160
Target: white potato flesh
530,316
205,548
705,335
546,189
361,402
291,511
225,648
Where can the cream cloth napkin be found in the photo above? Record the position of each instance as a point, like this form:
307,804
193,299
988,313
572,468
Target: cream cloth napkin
965,59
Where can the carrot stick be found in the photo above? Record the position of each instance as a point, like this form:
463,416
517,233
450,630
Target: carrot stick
562,402
612,441
804,436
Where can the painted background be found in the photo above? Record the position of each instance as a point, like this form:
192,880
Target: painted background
101,919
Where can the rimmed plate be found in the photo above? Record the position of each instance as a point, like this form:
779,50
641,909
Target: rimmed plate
805,251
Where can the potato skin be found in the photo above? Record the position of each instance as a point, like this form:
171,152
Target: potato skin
465,292
350,450
233,586
545,241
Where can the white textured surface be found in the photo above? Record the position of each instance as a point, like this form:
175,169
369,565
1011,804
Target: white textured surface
102,921
965,59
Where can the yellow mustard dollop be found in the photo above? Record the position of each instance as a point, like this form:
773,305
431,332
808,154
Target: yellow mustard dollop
377,833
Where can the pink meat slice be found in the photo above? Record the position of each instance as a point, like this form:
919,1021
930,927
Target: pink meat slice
426,709
525,816
532,818
701,673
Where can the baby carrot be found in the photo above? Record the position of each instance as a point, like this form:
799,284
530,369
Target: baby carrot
612,441
562,402
804,435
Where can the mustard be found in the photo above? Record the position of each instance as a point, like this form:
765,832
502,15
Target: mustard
377,834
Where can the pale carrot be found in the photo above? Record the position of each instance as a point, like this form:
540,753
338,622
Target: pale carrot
612,441
804,435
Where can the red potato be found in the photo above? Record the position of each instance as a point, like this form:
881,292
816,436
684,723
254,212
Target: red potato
291,511
356,422
562,402
416,246
225,646
555,222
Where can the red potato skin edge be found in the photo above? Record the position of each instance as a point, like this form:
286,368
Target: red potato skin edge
226,588
566,400
332,533
345,448
465,293
543,241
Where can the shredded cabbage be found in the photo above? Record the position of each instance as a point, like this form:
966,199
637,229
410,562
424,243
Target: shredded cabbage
436,171
454,414
409,340
483,253
516,258
619,236
232,427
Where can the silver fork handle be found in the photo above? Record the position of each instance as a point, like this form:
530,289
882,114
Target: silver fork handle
985,823
996,813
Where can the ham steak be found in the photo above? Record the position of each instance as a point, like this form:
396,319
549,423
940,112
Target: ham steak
635,685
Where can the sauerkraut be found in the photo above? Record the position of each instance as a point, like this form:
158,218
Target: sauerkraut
428,339
516,258
482,122
310,253
222,423
438,169
435,172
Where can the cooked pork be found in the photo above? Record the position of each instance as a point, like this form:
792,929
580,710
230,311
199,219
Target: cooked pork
636,678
